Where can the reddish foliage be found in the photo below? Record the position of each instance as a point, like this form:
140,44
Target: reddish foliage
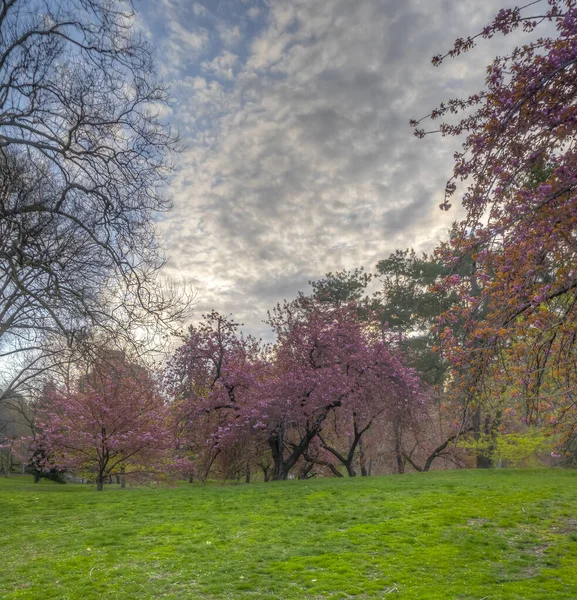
514,333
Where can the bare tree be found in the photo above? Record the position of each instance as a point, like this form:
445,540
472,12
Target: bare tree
83,161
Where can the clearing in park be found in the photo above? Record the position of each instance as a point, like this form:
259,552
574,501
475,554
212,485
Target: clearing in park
468,535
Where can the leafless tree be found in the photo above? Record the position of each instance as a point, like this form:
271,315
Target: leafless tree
84,156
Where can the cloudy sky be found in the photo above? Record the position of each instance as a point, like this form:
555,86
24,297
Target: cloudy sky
299,158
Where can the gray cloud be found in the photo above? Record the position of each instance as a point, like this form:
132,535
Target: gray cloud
299,155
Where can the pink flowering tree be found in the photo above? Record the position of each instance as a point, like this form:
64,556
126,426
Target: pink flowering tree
210,379
519,161
329,367
112,421
388,396
262,406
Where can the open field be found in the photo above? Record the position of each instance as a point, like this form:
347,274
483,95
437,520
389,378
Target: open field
493,535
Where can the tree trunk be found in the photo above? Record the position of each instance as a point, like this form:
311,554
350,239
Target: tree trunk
306,470
483,460
207,471
265,472
324,463
283,466
350,469
276,443
280,472
362,459
399,453
122,478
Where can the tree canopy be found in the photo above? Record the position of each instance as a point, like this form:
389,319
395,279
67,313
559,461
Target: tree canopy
519,163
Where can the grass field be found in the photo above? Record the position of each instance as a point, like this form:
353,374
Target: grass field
492,535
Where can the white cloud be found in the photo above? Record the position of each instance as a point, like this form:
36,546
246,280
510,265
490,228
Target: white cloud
222,65
199,10
230,35
300,159
253,12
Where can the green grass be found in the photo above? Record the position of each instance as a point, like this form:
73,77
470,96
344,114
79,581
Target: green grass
470,535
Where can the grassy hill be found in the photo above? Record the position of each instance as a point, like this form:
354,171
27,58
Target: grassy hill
470,535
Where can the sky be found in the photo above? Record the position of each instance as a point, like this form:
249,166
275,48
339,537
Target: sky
299,158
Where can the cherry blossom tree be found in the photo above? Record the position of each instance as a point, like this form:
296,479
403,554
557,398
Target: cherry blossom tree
388,397
273,402
113,421
519,310
209,378
332,368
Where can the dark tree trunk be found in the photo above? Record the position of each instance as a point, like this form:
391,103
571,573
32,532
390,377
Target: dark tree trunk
437,452
265,472
282,466
324,463
306,470
362,459
279,472
483,459
399,456
190,478
275,443
348,461
122,478
207,471
99,482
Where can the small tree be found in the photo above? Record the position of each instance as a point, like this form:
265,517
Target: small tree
112,422
210,377
331,365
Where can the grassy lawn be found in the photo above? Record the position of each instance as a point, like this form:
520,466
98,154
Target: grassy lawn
491,535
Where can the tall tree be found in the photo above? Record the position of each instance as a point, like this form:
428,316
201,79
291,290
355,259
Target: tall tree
83,158
519,230
341,288
408,305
